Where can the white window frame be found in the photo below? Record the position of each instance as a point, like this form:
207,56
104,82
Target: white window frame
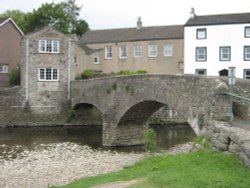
4,69
108,52
137,51
247,32
123,51
245,75
49,46
152,50
168,50
227,53
201,33
198,71
198,53
96,60
45,74
246,53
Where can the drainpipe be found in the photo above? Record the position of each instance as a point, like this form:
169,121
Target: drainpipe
27,70
69,69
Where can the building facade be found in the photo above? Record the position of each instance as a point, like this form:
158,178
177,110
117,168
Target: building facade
48,66
216,42
10,48
154,49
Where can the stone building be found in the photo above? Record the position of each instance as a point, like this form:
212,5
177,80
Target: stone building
156,49
48,65
10,38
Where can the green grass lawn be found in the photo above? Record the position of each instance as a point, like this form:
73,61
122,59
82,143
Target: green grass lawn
189,170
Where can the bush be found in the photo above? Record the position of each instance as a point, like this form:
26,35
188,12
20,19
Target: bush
15,76
87,74
150,140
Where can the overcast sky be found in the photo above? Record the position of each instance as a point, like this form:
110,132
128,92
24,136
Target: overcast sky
102,14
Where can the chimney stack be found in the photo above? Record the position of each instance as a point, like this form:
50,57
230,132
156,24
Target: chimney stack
192,13
139,23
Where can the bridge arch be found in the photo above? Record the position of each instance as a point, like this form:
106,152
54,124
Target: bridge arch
88,114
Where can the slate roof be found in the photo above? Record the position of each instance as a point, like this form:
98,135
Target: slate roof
219,19
133,34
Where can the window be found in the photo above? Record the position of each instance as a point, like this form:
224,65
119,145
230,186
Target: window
168,50
3,68
152,50
48,74
123,52
201,71
201,33
201,54
48,46
108,52
246,73
225,53
137,51
96,60
247,32
247,53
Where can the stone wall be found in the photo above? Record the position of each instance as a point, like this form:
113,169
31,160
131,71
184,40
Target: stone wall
231,139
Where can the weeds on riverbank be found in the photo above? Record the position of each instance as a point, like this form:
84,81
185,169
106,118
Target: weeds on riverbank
195,169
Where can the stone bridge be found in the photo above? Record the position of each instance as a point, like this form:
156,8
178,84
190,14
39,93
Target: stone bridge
127,102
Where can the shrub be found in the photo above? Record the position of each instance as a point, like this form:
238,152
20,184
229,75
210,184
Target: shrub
15,76
150,140
87,74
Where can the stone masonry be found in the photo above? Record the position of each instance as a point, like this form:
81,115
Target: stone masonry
127,102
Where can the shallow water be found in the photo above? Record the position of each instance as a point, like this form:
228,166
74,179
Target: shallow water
14,140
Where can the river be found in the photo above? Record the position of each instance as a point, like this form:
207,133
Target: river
40,156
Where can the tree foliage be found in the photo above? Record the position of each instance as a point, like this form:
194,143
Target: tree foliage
17,15
63,16
15,76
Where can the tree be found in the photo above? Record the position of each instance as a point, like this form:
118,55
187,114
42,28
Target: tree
63,16
15,76
17,15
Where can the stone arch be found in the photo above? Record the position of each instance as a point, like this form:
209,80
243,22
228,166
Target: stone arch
140,112
88,114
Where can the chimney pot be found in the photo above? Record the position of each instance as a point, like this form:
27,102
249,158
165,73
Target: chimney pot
192,13
139,23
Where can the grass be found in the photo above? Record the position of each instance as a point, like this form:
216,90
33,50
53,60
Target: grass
199,169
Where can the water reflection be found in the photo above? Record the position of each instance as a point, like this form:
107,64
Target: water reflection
29,138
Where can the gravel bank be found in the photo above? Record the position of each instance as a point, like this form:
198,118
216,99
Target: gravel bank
57,164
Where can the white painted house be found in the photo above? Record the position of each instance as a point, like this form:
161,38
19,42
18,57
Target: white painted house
215,42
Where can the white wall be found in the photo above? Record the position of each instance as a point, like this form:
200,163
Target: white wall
217,35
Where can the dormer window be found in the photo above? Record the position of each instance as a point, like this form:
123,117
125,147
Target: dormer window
201,33
48,46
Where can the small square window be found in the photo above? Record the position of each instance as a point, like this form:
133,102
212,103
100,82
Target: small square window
247,32
201,71
3,68
96,60
225,53
201,33
247,53
201,54
246,73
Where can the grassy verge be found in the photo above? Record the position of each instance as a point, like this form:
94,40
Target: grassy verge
190,170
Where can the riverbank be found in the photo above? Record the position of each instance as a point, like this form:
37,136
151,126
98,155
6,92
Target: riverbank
57,164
